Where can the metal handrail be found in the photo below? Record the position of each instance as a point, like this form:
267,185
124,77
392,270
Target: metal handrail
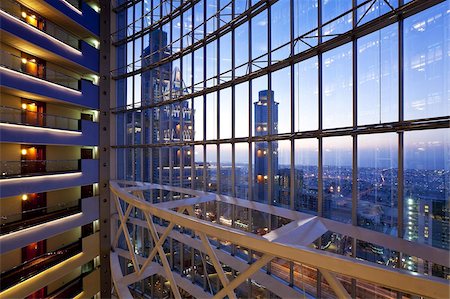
15,63
16,116
14,222
31,267
21,168
289,242
13,8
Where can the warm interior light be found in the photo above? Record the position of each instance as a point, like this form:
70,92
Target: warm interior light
24,197
24,106
24,14
33,60
23,152
33,16
24,60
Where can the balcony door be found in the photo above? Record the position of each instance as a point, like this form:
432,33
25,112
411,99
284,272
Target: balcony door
33,66
32,18
30,252
34,205
33,113
33,159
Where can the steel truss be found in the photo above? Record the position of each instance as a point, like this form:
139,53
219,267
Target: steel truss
290,242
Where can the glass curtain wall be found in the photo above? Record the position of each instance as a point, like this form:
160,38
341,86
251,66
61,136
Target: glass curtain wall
276,102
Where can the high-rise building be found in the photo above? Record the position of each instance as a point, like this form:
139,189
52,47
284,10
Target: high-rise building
49,133
224,149
265,121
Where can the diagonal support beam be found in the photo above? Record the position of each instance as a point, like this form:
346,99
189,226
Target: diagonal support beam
213,257
244,276
163,257
123,224
335,284
158,243
125,219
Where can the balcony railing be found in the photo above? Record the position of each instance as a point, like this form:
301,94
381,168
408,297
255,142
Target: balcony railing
38,264
75,3
15,63
14,8
69,290
24,168
25,117
15,222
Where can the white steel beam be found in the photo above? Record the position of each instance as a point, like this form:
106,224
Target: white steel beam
244,275
396,279
335,284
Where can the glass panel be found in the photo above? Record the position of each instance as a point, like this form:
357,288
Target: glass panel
427,67
211,168
426,186
241,170
226,186
377,182
259,40
211,116
306,95
198,119
280,30
306,176
281,161
225,113
426,195
241,121
199,167
378,76
337,87
337,178
281,110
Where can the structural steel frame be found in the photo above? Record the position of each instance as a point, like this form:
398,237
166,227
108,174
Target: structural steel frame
290,242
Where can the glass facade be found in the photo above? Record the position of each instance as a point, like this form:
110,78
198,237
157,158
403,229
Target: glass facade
279,103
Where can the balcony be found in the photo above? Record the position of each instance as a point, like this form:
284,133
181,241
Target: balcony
22,177
27,168
78,11
49,83
51,227
16,222
70,290
38,264
45,128
47,273
50,37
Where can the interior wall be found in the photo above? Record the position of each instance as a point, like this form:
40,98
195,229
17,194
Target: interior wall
56,152
63,196
11,207
63,239
11,259
10,152
63,280
10,101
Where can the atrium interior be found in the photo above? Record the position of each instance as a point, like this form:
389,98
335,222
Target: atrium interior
225,149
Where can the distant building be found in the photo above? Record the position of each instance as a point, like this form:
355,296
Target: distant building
261,160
